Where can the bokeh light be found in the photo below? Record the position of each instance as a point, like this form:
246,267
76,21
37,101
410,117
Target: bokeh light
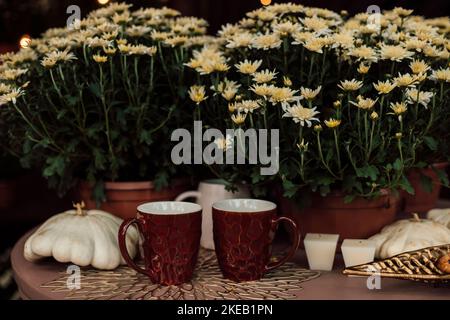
25,41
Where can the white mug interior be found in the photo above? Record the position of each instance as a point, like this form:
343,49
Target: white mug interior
169,208
244,205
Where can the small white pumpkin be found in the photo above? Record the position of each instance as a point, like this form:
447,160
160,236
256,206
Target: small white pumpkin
441,216
82,238
408,235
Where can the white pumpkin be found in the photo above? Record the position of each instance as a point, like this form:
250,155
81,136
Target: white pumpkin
82,238
409,235
441,216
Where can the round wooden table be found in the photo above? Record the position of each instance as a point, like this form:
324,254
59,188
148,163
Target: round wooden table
330,285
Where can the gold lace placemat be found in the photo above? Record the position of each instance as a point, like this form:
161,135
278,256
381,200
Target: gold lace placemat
207,284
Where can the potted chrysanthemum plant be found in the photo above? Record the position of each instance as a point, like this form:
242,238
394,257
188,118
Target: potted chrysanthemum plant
10,169
254,67
97,103
409,55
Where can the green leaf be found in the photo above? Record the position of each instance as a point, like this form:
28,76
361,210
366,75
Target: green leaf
325,180
426,182
324,190
373,172
98,193
443,177
71,100
146,137
290,189
421,164
370,171
99,159
431,143
95,89
398,165
405,185
61,114
161,180
349,198
55,165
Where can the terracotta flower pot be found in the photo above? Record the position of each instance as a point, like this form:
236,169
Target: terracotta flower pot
359,219
123,198
423,201
7,193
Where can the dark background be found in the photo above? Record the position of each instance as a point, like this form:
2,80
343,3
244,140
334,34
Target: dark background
35,202
18,17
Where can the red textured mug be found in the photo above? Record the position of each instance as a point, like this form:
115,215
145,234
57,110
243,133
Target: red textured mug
243,233
171,234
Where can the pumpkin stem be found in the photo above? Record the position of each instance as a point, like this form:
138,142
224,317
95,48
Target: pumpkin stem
79,207
416,217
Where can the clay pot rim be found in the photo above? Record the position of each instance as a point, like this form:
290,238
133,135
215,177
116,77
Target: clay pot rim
137,185
5,183
440,165
339,194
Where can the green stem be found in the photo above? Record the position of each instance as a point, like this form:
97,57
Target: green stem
319,146
366,132
106,115
337,150
371,141
54,84
310,69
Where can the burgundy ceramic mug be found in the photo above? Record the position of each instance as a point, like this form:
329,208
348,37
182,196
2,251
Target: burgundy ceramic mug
243,233
171,234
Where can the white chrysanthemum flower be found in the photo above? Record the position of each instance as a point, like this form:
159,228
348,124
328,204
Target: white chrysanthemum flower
283,94
421,97
247,106
264,76
11,96
394,53
364,103
441,75
364,53
12,74
197,94
350,85
248,67
266,41
284,29
309,94
384,87
300,114
224,143
240,40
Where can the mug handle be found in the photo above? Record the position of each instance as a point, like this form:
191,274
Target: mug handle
294,247
123,246
188,194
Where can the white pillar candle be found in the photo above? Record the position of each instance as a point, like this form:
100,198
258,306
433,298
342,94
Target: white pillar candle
320,249
357,251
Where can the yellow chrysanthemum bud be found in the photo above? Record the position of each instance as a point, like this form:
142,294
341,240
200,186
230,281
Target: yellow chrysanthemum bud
374,116
332,123
287,82
318,128
99,58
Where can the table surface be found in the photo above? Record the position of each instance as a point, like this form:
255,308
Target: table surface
329,286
